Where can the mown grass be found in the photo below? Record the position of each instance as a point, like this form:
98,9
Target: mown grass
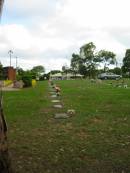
95,140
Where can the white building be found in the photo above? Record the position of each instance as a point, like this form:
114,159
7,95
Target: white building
60,76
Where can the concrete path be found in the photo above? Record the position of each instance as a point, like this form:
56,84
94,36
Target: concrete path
10,88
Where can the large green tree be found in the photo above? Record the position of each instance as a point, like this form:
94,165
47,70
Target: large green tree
1,71
38,70
107,58
126,62
75,63
66,69
82,69
54,71
116,70
89,59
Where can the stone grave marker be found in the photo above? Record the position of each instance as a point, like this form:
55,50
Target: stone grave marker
55,101
53,96
58,106
52,92
61,116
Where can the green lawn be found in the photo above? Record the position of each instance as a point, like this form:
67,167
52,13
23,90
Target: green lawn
95,140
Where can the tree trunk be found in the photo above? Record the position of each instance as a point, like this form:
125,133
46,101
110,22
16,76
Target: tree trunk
5,164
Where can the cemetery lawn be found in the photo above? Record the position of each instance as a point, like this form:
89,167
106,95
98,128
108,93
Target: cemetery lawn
95,140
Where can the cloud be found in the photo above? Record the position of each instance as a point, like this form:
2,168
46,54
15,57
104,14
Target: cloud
97,13
30,10
48,31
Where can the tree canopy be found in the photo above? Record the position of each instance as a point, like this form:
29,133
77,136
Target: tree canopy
75,62
88,60
106,57
38,70
126,62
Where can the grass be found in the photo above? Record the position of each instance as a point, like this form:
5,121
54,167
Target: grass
95,140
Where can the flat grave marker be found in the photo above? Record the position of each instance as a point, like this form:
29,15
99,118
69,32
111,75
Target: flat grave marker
58,106
61,116
55,101
53,96
52,92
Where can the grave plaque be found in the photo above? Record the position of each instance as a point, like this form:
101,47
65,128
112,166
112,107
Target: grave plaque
61,116
53,96
55,101
58,106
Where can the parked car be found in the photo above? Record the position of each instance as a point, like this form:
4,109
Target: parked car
109,76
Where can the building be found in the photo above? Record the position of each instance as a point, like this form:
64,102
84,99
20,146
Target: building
9,73
57,76
62,76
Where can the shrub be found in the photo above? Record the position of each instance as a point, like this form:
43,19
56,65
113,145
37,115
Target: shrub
7,82
34,83
27,79
18,77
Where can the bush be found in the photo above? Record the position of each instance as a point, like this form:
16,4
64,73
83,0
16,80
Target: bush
18,77
7,82
27,80
34,83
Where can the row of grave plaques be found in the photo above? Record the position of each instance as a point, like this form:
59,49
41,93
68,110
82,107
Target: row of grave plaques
57,104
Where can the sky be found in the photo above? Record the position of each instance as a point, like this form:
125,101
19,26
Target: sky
47,32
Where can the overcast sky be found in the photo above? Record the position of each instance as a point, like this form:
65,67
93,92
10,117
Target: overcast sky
47,32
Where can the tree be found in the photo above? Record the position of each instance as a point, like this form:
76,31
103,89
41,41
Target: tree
106,57
75,63
5,164
82,69
32,74
89,60
126,62
65,69
87,51
20,71
1,71
55,71
25,76
38,70
116,70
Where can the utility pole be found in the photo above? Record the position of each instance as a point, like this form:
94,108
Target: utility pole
10,53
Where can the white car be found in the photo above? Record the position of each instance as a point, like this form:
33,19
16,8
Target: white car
109,76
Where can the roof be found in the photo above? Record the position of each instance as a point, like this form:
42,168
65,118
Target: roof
72,75
65,75
56,75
